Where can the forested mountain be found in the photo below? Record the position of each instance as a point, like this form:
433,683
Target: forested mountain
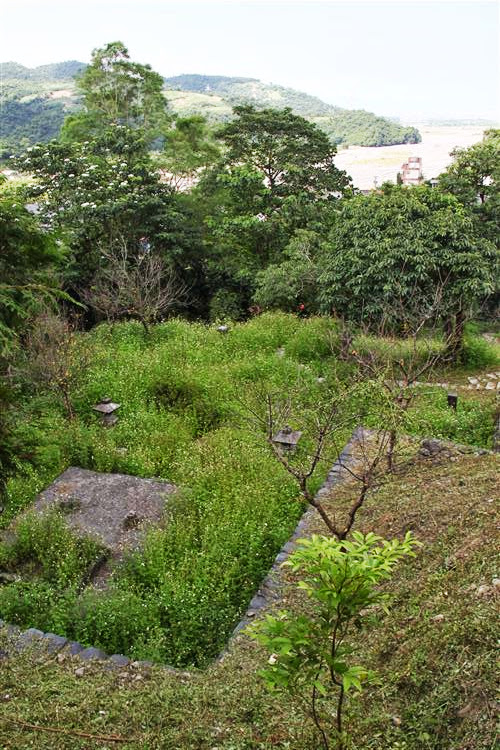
62,71
35,102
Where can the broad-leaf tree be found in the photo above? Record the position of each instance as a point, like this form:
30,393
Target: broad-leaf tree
189,148
405,247
103,189
276,176
29,260
292,155
474,178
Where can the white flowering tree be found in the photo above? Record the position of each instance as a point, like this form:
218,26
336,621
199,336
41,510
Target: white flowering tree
96,191
115,90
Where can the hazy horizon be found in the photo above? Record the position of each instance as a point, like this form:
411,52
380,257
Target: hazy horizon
408,59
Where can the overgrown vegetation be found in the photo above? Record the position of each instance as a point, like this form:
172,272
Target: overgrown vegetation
179,421
139,216
185,391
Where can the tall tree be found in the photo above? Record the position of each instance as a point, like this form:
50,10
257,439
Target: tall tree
116,90
96,194
402,247
474,178
292,155
276,176
189,148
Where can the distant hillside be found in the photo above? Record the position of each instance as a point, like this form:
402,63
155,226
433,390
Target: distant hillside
63,71
35,102
213,94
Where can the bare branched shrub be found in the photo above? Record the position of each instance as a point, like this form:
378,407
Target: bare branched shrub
326,427
137,285
55,357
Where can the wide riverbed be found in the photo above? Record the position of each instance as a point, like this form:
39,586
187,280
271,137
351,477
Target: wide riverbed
369,164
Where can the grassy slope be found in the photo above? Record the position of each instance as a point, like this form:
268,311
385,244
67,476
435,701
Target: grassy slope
436,676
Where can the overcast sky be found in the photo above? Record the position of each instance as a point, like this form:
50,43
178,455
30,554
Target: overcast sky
407,58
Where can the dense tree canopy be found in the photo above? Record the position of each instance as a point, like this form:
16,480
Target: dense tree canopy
29,261
294,281
292,155
474,178
189,148
105,189
256,212
276,176
399,250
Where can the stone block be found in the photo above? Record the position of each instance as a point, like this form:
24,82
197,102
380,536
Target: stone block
91,654
73,648
29,638
119,660
54,643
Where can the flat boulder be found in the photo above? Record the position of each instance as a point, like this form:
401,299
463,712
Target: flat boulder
114,509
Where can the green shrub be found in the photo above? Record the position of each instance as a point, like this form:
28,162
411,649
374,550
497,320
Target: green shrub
311,658
38,604
226,305
120,621
471,423
312,340
192,400
477,352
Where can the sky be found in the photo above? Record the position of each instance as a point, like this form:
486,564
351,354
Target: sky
412,59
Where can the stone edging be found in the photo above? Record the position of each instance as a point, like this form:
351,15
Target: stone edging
52,644
267,594
269,590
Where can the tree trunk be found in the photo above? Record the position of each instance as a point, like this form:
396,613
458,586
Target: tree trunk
454,331
390,450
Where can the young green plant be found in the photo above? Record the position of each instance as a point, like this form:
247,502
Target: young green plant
310,652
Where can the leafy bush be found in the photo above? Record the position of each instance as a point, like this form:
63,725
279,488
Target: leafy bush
38,604
120,621
471,423
477,352
226,305
310,654
193,400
